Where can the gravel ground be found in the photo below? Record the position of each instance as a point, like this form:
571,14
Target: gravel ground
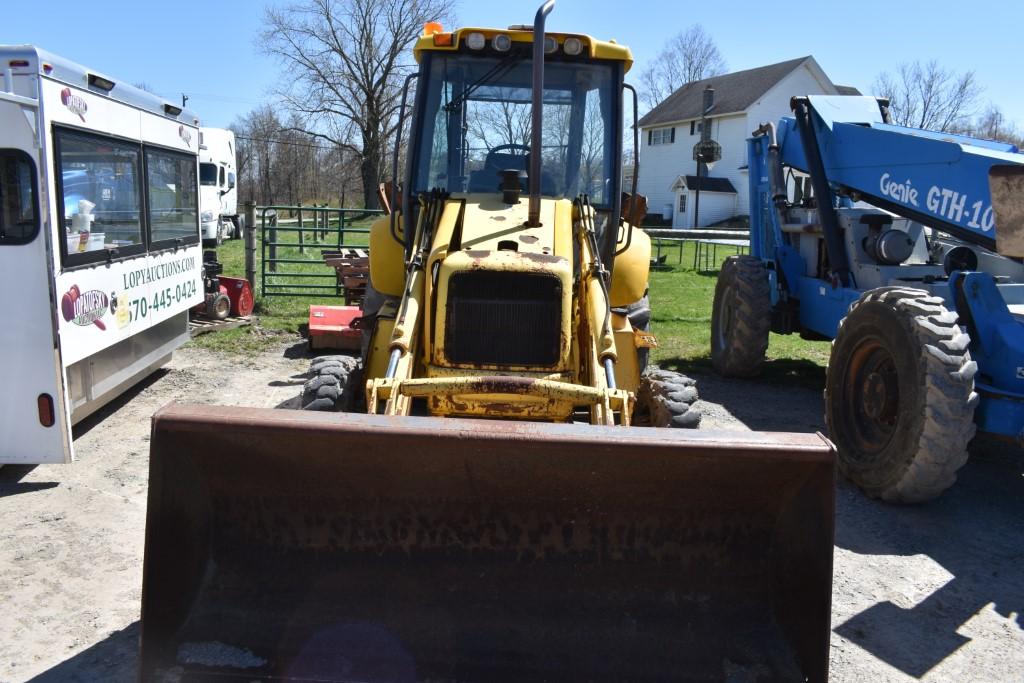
932,592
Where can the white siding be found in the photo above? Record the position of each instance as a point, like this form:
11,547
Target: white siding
774,104
660,165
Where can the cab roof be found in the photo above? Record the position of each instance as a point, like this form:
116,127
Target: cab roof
595,49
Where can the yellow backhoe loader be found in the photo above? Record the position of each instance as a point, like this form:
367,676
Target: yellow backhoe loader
505,498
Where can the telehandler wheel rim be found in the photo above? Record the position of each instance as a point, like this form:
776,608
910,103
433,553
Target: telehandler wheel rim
724,327
871,390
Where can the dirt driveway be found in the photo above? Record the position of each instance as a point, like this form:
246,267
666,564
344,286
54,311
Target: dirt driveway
933,592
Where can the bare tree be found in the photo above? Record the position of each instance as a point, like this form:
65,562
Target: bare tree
929,96
345,61
690,55
991,124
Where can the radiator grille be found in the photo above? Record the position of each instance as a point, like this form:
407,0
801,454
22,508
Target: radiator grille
503,318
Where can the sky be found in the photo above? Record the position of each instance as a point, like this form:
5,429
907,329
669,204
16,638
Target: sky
211,50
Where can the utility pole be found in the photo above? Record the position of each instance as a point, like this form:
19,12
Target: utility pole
707,151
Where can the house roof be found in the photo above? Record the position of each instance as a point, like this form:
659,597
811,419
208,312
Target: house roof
847,90
707,184
733,93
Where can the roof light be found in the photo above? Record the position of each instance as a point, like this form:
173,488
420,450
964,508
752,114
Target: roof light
47,67
572,46
475,41
432,27
550,45
171,110
442,40
15,63
502,42
101,83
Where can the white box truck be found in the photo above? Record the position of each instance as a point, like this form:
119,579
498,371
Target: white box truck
100,255
218,193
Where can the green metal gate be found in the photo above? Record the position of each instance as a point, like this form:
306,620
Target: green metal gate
294,240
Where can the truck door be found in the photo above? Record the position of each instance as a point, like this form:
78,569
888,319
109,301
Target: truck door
34,423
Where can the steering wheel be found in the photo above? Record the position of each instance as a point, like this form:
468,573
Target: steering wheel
525,150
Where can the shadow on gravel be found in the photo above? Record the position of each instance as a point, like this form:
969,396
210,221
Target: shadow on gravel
299,349
792,371
777,406
83,427
11,484
973,530
113,659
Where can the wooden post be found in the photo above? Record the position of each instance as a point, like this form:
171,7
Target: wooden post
250,244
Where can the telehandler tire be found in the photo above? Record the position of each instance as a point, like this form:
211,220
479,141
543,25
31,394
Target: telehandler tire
336,384
666,399
899,395
741,317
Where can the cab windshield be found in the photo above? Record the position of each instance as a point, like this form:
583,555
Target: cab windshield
476,123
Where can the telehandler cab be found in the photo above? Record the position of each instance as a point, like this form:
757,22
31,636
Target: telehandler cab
421,542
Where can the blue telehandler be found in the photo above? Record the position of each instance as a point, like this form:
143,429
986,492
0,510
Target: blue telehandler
902,246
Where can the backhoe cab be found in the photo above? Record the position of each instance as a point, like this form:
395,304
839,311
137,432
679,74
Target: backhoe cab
506,278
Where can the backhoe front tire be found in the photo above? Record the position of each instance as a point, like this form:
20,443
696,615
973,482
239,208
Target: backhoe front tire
899,396
666,399
741,317
336,384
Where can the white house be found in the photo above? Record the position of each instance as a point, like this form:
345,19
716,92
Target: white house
742,101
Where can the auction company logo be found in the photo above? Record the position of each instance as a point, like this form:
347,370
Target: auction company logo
185,134
76,103
84,308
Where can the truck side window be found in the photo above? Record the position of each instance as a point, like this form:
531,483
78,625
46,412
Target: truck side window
173,193
207,174
19,221
100,203
221,183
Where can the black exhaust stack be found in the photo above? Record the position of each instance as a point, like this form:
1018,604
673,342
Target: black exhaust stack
533,219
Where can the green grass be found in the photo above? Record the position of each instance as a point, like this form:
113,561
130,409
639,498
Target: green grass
681,300
279,317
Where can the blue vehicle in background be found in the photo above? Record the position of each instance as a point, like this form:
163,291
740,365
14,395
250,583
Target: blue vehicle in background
904,247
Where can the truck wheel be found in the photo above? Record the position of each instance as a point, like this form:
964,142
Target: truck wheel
899,395
741,317
218,306
666,399
336,384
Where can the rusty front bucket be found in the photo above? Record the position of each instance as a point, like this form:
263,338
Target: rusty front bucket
324,547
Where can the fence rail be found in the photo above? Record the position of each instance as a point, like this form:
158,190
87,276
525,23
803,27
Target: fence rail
293,236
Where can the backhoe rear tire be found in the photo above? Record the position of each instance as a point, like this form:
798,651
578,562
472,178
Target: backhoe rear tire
666,399
741,317
336,384
899,395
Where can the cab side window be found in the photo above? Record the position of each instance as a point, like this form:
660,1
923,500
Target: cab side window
173,198
100,200
19,221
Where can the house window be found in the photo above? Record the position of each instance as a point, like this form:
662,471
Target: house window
695,127
661,136
682,202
